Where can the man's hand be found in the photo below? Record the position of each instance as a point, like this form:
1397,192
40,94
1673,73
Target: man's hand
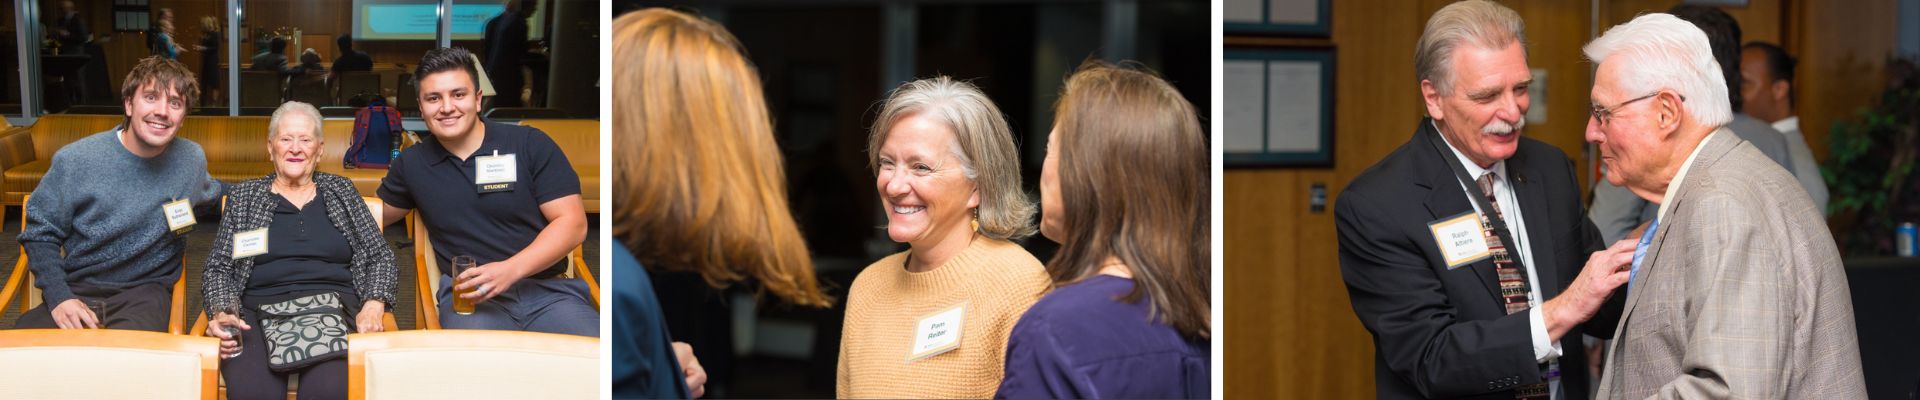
690,366
370,320
488,280
74,314
1605,271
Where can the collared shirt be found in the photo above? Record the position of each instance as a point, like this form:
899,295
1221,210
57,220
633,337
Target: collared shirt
1789,124
1805,168
1666,200
1545,350
489,226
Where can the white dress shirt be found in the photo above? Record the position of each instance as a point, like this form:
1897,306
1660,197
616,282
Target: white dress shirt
1545,350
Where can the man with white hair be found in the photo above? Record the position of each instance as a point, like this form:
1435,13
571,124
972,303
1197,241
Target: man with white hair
1466,251
1737,289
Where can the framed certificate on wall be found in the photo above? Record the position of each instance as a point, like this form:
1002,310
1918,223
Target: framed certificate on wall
1277,107
1283,17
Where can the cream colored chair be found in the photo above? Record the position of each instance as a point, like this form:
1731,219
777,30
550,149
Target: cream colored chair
106,364
20,284
472,364
427,269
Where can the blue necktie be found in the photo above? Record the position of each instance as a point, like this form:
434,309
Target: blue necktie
1646,239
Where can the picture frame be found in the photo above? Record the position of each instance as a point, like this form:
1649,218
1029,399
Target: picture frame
1286,119
1278,17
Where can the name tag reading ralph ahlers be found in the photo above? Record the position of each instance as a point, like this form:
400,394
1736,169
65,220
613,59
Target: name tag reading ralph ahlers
938,333
250,243
179,215
495,173
1461,239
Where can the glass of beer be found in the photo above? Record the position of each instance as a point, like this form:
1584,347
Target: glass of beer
461,304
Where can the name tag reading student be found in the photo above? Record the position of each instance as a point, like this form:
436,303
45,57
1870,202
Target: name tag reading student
495,173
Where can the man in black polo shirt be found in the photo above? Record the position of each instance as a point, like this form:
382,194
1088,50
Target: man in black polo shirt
503,194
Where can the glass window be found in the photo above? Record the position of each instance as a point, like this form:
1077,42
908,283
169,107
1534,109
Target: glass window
335,54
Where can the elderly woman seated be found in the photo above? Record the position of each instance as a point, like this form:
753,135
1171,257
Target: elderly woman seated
297,264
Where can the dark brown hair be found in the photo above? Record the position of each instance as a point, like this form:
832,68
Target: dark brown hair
446,59
1134,187
163,73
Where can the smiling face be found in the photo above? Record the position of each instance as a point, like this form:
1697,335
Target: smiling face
922,183
1484,115
450,103
154,113
294,148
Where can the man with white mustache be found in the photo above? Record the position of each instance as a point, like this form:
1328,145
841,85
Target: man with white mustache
1466,251
118,204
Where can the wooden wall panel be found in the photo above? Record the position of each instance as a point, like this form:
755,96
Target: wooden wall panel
1843,48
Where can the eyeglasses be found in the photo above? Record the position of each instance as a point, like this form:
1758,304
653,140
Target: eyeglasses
1604,114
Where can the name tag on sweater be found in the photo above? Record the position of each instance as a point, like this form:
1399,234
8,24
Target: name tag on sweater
938,333
179,215
250,243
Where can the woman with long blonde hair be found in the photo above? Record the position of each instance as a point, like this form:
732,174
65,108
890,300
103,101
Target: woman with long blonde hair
698,183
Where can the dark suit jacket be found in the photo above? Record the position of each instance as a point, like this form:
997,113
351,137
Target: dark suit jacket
1442,333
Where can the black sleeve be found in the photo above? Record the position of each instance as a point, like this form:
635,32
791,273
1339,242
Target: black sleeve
1608,317
1415,326
393,188
553,176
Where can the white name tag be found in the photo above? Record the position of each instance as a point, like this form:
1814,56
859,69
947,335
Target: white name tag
250,243
179,215
938,333
1461,239
497,168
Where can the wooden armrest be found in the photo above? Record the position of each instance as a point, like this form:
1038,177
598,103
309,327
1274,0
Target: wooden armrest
200,323
176,313
427,271
580,269
15,284
199,327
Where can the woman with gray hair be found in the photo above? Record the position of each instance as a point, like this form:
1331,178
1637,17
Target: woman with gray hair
297,264
949,179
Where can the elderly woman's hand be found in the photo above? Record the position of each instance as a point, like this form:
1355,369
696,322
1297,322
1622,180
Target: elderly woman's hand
371,318
229,343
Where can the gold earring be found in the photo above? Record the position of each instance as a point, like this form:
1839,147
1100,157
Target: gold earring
975,224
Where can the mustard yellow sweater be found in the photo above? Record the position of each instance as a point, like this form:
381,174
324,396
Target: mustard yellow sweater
996,279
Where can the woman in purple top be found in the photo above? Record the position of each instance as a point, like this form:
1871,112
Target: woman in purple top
1124,189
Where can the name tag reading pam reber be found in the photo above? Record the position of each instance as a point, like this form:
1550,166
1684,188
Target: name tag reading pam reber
179,215
938,333
1460,239
495,173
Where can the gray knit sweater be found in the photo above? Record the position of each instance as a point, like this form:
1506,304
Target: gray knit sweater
102,205
250,206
